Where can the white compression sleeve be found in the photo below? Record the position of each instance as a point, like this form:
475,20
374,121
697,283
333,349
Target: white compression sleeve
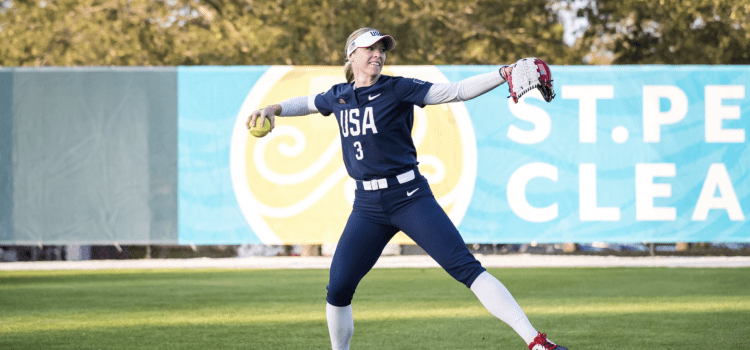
498,301
463,90
297,106
340,326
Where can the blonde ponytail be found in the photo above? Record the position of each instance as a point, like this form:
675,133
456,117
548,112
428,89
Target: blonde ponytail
348,72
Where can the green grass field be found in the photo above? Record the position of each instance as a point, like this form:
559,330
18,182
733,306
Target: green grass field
581,308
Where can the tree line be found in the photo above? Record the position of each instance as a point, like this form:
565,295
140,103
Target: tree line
313,32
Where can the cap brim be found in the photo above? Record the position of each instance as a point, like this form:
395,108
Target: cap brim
367,41
388,41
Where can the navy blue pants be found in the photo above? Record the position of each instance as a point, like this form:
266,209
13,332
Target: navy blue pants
376,217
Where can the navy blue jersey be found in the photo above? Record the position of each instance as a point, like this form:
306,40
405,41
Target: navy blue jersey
375,124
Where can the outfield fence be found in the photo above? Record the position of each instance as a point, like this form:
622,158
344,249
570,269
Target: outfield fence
160,156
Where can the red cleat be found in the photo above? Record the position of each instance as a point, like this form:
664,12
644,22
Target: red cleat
541,343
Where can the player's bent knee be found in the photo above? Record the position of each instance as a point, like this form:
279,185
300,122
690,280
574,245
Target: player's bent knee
339,301
467,273
340,295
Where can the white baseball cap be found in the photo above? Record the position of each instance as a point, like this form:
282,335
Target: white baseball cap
368,38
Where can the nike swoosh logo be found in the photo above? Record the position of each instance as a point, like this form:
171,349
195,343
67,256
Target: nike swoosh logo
409,193
373,97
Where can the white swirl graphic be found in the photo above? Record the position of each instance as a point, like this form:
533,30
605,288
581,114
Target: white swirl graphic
306,202
292,150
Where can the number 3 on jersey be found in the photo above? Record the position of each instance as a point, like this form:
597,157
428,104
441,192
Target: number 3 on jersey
350,125
358,146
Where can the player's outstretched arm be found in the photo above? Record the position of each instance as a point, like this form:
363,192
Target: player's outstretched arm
466,89
296,106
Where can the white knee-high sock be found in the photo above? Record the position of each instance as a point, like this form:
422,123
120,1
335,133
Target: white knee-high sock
340,326
498,301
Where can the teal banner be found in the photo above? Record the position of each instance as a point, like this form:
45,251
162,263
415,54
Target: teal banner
622,154
209,101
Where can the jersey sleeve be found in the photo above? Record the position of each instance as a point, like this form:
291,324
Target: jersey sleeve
464,90
323,102
297,106
411,90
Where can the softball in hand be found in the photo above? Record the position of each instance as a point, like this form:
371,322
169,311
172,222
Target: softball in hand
259,131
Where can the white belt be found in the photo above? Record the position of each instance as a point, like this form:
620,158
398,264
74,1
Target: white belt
379,184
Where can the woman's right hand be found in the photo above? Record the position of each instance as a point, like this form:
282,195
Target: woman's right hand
271,112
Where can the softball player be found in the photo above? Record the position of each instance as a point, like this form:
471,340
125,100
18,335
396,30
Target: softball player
375,114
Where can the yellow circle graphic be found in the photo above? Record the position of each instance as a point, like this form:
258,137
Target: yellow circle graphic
292,186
